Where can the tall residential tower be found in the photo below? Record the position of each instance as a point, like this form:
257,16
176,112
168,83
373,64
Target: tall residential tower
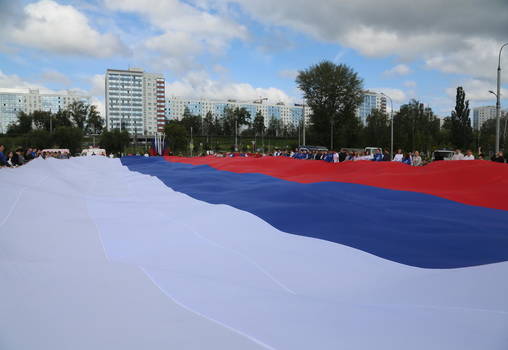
135,101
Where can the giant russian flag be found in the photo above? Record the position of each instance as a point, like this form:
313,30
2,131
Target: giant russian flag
270,253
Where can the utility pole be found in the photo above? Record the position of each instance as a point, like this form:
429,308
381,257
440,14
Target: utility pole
331,133
498,98
391,124
304,121
236,133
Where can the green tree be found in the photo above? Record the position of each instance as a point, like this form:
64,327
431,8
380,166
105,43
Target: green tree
486,137
259,124
461,132
68,137
78,112
22,126
176,136
415,128
114,141
333,92
377,130
208,125
39,138
62,118
94,121
191,121
42,120
274,127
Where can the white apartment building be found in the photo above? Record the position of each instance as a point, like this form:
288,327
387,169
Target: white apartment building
288,114
482,114
11,103
135,101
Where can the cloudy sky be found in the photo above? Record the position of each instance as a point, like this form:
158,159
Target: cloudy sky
246,49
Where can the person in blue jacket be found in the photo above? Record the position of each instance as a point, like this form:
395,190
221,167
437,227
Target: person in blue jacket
3,160
378,156
407,159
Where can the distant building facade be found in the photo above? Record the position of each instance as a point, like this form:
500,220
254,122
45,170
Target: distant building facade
482,114
286,113
11,103
371,101
135,101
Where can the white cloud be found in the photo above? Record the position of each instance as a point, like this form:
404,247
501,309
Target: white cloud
397,95
288,74
477,90
199,85
62,29
400,69
97,85
14,83
187,31
478,57
54,76
431,30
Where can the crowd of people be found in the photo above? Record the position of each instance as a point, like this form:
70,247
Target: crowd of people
379,155
19,157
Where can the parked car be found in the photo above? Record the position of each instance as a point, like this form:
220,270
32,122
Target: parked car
442,154
372,150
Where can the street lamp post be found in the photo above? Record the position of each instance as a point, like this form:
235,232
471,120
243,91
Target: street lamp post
303,114
236,134
391,124
498,97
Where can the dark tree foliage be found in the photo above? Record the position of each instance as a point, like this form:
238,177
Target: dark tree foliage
62,118
176,136
114,141
68,137
461,133
38,138
192,121
240,115
208,126
42,120
274,127
94,121
377,131
259,124
415,128
486,137
22,126
334,92
78,113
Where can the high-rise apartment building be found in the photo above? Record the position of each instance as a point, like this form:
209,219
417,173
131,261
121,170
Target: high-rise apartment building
482,114
287,114
135,101
11,103
371,101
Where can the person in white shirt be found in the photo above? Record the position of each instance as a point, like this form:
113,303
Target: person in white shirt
398,157
458,155
417,159
469,155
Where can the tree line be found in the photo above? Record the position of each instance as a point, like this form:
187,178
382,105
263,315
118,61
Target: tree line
66,128
210,126
334,93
